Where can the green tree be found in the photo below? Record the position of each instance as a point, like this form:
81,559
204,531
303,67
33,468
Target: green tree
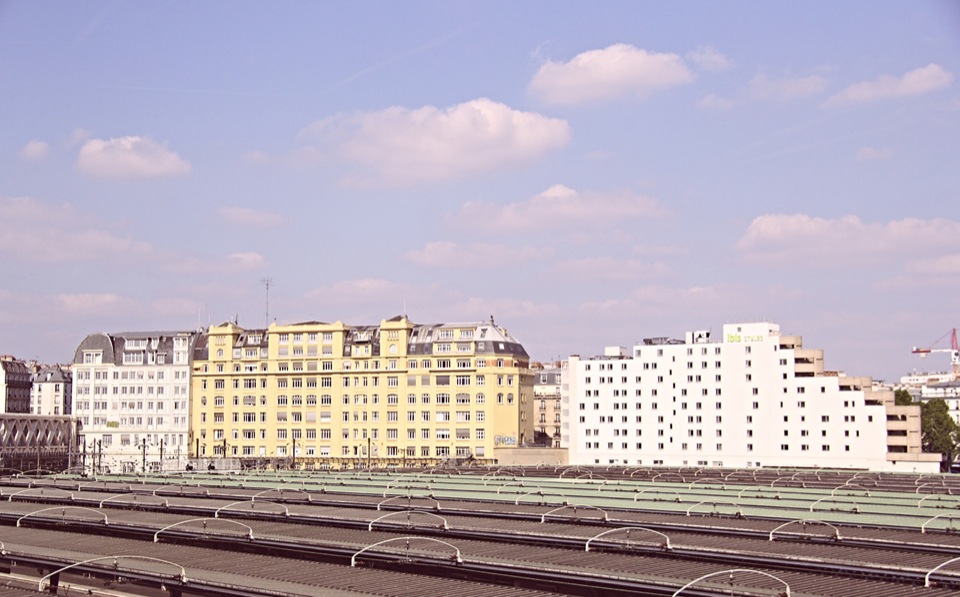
939,431
902,398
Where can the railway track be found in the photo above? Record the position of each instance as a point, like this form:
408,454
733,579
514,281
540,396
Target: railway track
531,546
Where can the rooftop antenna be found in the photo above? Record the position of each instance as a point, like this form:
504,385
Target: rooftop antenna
267,281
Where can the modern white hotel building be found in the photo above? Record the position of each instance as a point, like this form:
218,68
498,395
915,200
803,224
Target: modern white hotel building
751,398
131,396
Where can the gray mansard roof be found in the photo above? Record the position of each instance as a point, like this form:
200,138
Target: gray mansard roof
113,346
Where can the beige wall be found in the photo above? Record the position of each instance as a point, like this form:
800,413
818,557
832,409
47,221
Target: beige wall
531,456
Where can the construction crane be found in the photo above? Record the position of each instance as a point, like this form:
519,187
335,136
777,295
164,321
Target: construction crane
954,351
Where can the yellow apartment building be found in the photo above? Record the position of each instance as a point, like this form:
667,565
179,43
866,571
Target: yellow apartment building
314,394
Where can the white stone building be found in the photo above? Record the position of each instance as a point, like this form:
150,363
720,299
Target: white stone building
751,398
131,393
51,392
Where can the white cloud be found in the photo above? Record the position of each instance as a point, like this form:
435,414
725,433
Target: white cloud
556,207
714,102
476,255
35,151
824,242
927,79
400,145
616,71
610,268
244,216
129,157
785,89
709,59
870,154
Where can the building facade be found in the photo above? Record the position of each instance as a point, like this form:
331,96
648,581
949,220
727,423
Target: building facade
948,391
547,380
319,394
14,386
131,396
51,391
752,398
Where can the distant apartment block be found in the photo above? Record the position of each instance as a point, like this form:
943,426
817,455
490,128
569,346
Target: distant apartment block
314,394
547,379
14,386
131,396
948,391
51,392
751,398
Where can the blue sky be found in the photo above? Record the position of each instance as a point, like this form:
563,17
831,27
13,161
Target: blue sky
589,174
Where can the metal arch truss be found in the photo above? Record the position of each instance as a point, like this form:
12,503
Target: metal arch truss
731,572
116,565
457,558
156,536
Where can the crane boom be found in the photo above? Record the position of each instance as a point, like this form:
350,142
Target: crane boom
954,351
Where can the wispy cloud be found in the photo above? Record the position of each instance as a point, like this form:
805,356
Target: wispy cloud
712,101
709,59
765,89
41,232
244,216
46,233
446,254
927,79
558,206
610,268
35,151
616,71
784,89
231,263
813,242
872,154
